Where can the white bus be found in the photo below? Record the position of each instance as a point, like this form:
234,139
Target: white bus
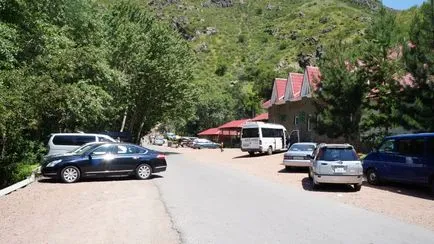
263,137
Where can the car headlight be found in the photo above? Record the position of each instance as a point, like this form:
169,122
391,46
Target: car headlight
53,163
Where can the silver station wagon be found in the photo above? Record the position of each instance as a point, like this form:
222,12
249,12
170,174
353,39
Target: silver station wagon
336,164
298,155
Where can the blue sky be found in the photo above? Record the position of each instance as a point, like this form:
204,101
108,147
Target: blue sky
402,4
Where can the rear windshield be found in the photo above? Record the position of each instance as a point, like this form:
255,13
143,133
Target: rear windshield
302,147
72,140
337,154
250,133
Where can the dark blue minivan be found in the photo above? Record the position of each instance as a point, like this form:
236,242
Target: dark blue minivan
405,158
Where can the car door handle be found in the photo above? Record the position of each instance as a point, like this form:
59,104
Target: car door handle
135,157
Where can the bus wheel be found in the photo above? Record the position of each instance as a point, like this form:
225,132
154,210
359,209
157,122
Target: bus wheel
270,150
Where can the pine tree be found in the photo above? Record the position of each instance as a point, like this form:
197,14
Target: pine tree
419,62
380,70
339,98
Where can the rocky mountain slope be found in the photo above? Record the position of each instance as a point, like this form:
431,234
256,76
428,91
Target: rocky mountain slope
230,35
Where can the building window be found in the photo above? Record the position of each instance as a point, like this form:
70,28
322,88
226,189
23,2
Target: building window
296,120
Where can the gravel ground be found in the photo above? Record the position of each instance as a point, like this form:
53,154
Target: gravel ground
100,211
408,203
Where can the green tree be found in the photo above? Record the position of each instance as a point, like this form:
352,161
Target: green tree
340,96
418,101
381,71
157,64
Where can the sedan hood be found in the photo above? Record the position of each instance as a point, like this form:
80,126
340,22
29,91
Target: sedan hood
64,157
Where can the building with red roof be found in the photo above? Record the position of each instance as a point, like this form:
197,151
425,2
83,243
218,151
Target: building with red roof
295,108
262,117
278,94
293,87
228,133
212,134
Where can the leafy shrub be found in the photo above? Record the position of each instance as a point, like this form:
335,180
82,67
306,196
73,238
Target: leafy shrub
221,70
241,39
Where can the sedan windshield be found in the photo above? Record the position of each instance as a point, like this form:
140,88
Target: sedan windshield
302,147
337,154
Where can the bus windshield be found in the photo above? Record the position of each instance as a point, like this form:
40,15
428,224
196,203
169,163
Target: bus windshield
250,133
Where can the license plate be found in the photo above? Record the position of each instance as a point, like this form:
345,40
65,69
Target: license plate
298,158
339,170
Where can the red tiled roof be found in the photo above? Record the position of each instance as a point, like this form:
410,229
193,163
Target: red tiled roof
296,80
261,117
234,124
266,104
280,84
210,132
313,76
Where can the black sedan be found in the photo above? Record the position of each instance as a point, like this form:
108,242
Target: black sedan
104,159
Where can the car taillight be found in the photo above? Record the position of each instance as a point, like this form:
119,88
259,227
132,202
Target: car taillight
161,156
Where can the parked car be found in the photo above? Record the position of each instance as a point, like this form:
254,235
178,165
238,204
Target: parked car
337,164
60,143
204,143
191,141
159,141
403,158
186,141
104,159
298,155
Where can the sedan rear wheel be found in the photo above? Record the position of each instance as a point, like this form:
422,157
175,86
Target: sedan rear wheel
143,171
70,174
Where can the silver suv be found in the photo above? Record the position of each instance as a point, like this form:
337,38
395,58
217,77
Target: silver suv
336,164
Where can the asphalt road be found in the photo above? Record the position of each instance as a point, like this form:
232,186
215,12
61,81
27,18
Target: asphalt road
209,203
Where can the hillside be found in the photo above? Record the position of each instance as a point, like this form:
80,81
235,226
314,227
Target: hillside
269,34
242,45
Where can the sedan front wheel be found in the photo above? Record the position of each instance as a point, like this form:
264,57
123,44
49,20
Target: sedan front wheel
70,174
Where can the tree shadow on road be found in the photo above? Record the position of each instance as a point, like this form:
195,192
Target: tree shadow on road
308,186
404,189
98,179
